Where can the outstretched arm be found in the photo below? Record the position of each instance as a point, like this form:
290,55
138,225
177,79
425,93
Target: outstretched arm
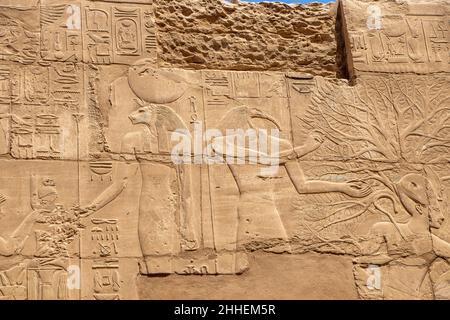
303,186
123,171
351,188
229,147
312,143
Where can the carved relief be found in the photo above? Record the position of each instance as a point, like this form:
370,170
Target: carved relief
19,38
150,40
218,88
61,32
67,86
117,34
164,213
105,233
127,33
10,84
36,85
36,113
99,36
415,41
419,197
37,137
116,171
382,119
106,280
44,275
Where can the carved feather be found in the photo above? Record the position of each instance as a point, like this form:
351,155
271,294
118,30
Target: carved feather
51,14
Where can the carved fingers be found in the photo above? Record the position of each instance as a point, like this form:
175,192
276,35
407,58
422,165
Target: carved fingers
315,140
318,138
357,189
88,211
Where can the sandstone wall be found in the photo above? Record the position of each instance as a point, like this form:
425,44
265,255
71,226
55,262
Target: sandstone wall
264,36
120,177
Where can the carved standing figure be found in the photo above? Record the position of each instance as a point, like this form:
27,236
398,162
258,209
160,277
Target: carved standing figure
258,216
165,223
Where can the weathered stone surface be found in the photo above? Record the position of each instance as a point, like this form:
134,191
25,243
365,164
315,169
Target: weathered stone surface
127,154
397,36
263,36
310,276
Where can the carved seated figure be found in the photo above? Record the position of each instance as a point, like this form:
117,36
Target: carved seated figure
12,244
12,264
405,251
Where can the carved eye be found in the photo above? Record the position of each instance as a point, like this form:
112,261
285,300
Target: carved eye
141,110
414,184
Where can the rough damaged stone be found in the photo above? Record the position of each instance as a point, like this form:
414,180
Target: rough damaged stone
246,36
121,177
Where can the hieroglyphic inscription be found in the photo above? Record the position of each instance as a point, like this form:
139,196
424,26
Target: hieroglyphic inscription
414,41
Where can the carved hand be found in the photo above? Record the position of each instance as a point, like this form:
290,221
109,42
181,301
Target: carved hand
87,211
314,141
356,188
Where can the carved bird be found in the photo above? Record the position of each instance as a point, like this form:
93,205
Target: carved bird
98,39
